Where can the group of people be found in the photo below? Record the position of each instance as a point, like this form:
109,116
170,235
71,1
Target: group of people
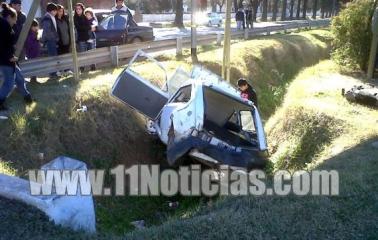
244,18
56,37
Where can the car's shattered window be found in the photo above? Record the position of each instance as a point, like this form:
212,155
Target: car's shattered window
247,121
177,80
202,74
156,75
183,95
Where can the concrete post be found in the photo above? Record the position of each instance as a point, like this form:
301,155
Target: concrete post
219,39
179,46
114,56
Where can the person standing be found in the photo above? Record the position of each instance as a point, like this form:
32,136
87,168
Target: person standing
8,61
239,17
50,35
91,43
120,8
32,45
249,18
247,92
21,17
63,25
83,28
64,43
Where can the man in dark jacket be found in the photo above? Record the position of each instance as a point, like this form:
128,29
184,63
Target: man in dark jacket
50,35
247,91
239,17
21,17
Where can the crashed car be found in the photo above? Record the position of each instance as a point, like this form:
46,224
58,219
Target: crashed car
198,114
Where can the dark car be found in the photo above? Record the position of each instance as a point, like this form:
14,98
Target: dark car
116,29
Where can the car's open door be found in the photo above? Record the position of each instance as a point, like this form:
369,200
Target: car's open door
138,92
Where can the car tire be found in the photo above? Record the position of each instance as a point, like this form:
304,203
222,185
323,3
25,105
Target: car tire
136,40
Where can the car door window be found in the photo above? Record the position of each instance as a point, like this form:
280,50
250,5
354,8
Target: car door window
247,122
114,22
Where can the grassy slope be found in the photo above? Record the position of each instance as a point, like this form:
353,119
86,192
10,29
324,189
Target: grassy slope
312,107
110,133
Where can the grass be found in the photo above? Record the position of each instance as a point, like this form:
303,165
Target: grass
110,133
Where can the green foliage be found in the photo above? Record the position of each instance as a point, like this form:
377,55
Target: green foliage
353,34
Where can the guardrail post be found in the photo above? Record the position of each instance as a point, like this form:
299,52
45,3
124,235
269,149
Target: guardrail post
179,46
219,39
114,56
246,34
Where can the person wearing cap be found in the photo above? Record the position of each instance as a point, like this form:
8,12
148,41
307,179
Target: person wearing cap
50,37
21,17
247,92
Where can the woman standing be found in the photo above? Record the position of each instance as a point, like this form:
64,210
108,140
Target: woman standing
83,28
91,43
64,43
8,61
63,31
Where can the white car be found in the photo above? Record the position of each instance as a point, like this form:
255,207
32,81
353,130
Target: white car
214,19
198,114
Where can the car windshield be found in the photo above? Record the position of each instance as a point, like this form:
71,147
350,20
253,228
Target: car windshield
115,22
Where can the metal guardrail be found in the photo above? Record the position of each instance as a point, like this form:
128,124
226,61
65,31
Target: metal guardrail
112,55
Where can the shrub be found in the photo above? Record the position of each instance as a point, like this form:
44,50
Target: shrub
353,35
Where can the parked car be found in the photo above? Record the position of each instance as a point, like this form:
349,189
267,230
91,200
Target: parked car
185,114
113,30
214,19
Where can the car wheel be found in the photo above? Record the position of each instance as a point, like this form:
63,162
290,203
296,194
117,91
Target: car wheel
136,40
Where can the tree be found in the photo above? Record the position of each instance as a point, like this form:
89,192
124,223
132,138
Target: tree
292,9
304,16
275,10
179,19
220,3
213,4
284,7
314,9
298,9
264,16
353,35
255,6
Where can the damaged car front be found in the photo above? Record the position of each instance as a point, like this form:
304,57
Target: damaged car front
198,114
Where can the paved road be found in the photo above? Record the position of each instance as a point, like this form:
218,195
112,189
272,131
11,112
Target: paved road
169,33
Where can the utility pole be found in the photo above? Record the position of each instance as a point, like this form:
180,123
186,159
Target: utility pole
25,29
227,43
194,32
73,41
374,46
